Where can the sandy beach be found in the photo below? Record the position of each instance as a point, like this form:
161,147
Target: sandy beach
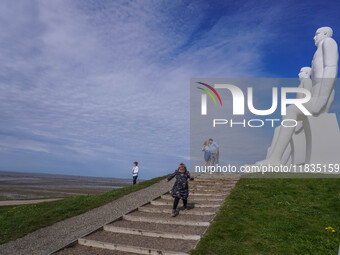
15,185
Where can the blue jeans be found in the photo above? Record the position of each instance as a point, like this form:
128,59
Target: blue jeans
134,179
207,155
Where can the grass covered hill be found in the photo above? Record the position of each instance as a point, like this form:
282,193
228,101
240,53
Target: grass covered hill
277,216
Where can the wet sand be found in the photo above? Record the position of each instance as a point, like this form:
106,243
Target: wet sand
14,185
26,201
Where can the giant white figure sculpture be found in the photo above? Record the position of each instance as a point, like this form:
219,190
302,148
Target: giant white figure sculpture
296,149
324,73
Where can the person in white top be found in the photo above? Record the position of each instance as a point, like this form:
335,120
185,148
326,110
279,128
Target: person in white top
135,172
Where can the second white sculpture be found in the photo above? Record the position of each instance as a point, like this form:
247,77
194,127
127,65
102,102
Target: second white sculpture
308,142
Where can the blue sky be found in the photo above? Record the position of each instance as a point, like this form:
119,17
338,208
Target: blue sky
88,87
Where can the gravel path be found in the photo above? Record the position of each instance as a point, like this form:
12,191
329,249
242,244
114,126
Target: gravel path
51,238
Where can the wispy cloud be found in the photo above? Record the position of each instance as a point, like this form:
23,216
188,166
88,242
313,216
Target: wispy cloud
107,82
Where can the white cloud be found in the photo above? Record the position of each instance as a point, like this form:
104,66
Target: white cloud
110,81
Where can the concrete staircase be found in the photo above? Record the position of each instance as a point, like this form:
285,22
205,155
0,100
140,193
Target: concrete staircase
150,229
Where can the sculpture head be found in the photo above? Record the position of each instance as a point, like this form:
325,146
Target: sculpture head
305,72
322,33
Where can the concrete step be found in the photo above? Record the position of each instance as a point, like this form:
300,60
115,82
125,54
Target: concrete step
207,194
198,205
126,248
141,232
172,221
213,181
152,230
210,187
144,242
190,209
169,228
168,211
224,187
211,190
191,201
213,186
196,198
200,192
180,216
190,213
86,250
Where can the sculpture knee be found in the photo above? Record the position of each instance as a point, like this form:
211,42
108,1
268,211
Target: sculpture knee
330,102
292,112
320,105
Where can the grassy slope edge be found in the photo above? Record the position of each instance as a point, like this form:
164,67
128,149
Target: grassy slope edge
277,216
17,221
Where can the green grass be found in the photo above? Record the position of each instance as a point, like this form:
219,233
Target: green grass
276,216
17,221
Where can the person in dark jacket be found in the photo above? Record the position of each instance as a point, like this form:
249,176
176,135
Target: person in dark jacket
180,190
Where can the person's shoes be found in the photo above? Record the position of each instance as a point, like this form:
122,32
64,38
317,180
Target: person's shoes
174,213
185,208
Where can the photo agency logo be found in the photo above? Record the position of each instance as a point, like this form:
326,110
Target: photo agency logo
238,105
297,110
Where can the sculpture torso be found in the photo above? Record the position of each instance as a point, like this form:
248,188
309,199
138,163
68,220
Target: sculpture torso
326,56
317,63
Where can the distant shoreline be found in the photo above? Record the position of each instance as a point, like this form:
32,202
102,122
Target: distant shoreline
27,185
54,174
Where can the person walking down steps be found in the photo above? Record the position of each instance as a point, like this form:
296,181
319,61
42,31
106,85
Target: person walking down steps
135,172
180,190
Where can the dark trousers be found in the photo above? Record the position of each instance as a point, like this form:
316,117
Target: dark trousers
176,202
135,179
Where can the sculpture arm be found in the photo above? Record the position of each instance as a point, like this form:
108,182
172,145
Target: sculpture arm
305,83
300,95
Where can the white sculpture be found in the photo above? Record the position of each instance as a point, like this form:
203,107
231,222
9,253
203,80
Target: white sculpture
324,73
322,140
296,149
